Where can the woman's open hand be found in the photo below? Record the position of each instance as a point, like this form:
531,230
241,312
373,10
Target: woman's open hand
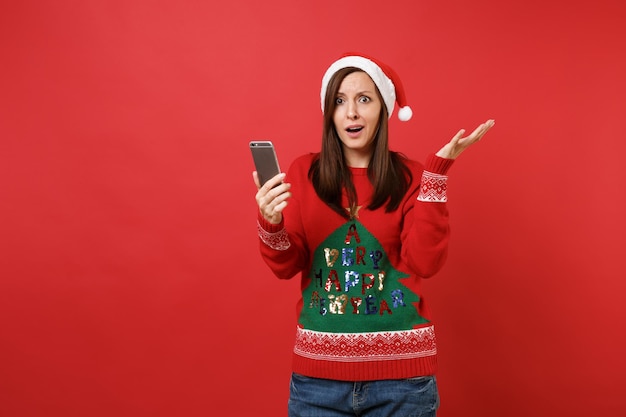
272,197
458,144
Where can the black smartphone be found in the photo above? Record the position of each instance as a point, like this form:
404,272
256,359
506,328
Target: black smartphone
265,160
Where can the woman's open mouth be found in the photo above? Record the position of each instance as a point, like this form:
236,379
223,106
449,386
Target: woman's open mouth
354,131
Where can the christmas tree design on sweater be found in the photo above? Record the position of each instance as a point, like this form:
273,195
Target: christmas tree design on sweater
356,307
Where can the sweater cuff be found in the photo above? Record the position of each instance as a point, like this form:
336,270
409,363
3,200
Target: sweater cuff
270,227
273,235
434,184
438,165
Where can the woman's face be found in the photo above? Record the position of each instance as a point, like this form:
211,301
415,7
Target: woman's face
356,116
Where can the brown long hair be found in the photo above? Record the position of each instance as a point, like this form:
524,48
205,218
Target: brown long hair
330,174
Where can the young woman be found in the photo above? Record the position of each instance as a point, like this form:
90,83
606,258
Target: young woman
363,226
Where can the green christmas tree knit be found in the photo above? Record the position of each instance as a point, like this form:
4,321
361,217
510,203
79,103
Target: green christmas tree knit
354,288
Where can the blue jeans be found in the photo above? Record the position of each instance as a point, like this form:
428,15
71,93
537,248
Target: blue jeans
312,397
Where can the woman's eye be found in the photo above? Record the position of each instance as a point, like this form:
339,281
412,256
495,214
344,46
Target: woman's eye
364,99
338,100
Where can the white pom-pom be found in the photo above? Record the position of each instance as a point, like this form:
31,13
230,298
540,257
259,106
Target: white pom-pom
405,113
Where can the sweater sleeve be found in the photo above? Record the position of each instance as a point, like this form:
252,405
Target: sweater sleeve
426,229
283,246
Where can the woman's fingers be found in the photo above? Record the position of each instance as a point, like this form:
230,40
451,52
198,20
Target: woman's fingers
276,195
456,138
458,143
272,197
482,129
255,177
272,182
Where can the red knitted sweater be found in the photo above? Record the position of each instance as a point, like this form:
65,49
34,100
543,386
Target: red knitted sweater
362,315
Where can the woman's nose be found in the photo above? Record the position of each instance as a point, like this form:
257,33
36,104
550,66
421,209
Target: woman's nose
352,112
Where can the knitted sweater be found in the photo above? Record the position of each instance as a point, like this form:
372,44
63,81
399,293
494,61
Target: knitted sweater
362,315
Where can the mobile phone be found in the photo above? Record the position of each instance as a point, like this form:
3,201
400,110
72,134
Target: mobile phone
265,160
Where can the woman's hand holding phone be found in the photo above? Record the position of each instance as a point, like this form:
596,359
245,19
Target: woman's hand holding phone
272,197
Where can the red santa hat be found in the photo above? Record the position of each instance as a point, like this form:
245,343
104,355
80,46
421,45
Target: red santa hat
384,77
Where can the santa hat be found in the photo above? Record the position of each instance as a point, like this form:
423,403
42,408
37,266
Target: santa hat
384,77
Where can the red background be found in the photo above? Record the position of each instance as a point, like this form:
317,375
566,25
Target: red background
131,283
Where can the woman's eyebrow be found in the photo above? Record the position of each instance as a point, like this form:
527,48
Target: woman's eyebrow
358,93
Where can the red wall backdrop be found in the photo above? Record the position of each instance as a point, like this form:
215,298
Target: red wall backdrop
130,280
